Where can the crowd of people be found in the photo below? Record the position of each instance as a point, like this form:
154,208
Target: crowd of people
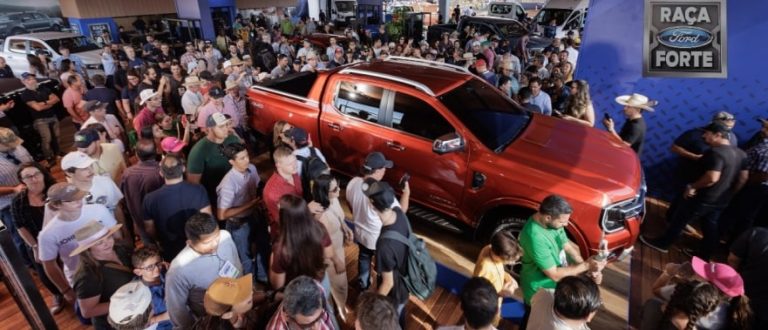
164,221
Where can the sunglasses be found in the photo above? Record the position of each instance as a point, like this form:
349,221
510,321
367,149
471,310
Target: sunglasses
295,325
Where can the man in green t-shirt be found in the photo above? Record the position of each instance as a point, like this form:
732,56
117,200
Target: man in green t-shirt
549,255
206,164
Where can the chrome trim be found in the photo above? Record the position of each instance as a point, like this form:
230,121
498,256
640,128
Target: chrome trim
633,207
288,95
415,84
427,63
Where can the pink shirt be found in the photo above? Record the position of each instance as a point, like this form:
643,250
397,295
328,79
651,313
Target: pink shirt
145,118
71,99
210,108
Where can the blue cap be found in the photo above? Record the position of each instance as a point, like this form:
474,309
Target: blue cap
26,75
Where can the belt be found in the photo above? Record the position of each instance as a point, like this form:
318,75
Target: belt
238,221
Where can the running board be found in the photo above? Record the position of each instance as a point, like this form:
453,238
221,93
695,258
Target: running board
435,218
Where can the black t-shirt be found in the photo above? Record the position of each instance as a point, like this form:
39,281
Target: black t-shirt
143,85
169,207
392,256
6,72
633,132
729,161
752,248
88,284
692,141
177,91
41,94
121,78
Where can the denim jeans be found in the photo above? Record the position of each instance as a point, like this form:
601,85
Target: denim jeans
260,238
687,211
240,234
364,266
48,129
21,248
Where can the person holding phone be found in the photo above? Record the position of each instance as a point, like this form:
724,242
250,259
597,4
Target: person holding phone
633,132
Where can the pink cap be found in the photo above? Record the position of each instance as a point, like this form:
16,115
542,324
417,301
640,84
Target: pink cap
480,63
722,276
172,144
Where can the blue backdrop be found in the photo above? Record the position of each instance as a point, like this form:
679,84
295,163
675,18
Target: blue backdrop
611,58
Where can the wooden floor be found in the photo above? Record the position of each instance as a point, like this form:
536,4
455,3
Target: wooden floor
625,287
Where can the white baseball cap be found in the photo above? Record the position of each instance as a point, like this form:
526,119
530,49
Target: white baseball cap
129,302
76,159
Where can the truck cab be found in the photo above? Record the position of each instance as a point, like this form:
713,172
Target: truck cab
16,48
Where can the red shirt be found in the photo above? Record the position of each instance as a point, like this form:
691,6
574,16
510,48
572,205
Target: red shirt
145,117
275,188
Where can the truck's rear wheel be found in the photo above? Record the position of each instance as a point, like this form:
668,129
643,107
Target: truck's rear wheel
511,219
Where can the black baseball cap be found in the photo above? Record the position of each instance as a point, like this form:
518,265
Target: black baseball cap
216,93
298,134
376,160
373,187
85,137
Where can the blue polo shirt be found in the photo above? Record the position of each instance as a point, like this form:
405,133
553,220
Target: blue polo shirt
158,302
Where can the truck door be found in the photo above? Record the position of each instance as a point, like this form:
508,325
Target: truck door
350,125
414,123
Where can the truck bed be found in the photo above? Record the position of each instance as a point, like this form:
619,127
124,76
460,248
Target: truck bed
298,84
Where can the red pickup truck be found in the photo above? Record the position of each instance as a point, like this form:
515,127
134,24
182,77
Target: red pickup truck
478,161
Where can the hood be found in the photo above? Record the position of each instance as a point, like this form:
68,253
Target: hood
570,156
90,57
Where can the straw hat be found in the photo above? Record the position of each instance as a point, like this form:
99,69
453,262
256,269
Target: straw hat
636,101
9,139
191,81
230,84
90,234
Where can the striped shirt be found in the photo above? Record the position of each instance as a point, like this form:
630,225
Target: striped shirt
8,168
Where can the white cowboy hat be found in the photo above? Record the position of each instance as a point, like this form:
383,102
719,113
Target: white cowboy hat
636,101
146,95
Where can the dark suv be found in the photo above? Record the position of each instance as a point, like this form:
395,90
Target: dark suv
25,22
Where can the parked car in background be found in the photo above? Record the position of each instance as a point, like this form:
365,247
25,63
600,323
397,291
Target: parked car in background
342,11
25,22
505,28
478,162
513,10
15,49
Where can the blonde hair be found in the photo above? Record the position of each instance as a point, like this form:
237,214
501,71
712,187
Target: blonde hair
276,131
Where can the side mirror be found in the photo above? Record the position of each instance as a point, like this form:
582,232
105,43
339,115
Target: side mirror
450,142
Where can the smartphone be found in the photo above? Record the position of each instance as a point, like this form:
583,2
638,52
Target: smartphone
404,179
607,116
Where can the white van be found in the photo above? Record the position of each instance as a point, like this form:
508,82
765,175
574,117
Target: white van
511,9
342,11
569,15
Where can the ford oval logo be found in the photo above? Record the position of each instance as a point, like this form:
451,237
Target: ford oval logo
684,37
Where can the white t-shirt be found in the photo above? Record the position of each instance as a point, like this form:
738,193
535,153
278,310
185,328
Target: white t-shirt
113,128
57,239
305,152
367,221
104,191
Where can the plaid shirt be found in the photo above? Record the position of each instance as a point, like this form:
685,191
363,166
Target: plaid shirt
757,158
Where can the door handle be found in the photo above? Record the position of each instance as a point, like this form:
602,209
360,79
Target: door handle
395,145
336,127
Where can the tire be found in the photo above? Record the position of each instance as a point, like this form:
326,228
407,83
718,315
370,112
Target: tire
512,219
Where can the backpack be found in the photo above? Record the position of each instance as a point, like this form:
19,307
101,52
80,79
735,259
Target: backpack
421,270
312,167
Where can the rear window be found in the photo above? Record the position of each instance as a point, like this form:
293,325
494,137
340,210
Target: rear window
298,84
546,15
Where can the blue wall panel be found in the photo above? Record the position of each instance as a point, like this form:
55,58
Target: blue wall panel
611,57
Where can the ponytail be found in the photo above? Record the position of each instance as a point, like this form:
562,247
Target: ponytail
740,314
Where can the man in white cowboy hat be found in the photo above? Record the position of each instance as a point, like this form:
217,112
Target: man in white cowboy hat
57,239
192,99
152,106
633,131
235,102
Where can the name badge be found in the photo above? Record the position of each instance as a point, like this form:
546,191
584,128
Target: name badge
228,270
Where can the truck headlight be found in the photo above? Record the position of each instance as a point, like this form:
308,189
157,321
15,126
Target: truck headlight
614,216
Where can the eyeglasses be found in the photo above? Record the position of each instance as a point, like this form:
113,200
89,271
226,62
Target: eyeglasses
295,325
152,267
32,176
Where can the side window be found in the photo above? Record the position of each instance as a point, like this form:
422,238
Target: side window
17,46
359,100
35,45
520,12
419,118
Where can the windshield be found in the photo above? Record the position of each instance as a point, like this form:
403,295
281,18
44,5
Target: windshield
345,5
494,119
546,15
501,9
76,44
512,29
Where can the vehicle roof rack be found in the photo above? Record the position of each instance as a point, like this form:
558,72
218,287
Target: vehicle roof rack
415,84
423,62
